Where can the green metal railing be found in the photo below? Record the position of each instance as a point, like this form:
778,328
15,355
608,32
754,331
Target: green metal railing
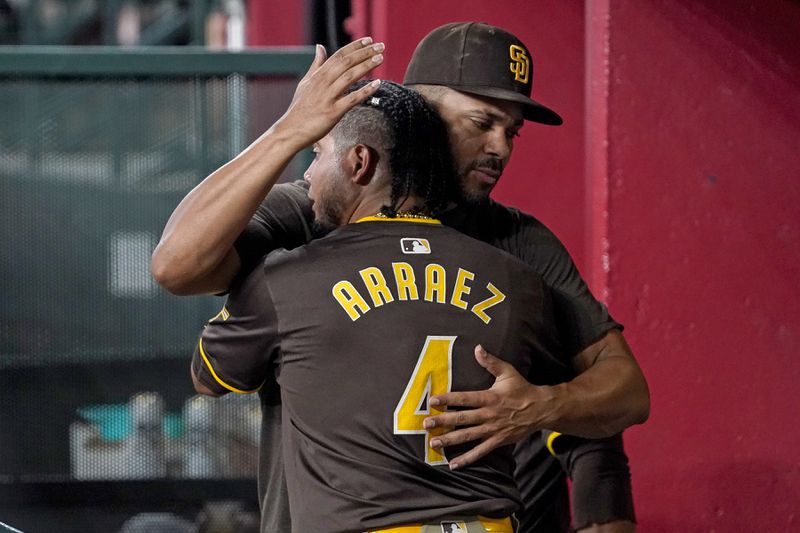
150,62
97,146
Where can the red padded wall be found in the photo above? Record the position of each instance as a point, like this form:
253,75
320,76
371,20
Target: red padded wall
704,241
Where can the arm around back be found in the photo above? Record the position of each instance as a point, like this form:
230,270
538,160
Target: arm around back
609,393
602,496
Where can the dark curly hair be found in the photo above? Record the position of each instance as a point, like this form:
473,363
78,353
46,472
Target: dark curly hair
398,122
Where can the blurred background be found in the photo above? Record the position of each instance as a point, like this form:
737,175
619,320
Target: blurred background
674,182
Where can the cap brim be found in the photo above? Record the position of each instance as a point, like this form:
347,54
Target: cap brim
531,109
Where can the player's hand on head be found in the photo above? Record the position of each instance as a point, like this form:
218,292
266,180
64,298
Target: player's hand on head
319,100
503,414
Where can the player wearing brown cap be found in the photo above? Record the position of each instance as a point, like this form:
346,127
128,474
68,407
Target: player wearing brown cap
479,59
197,253
474,72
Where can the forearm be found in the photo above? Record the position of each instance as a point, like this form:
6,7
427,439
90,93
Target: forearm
196,251
601,493
609,394
196,254
602,497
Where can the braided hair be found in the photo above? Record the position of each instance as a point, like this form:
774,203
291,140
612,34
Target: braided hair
413,136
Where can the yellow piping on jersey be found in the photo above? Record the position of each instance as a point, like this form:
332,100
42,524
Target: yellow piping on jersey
551,438
224,314
216,377
414,220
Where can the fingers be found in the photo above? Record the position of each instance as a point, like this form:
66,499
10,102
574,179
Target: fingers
327,79
319,101
320,56
356,97
457,418
493,364
459,436
461,399
484,433
354,46
479,451
360,52
462,436
351,62
350,67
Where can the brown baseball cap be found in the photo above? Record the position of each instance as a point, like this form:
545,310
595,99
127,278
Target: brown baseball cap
476,58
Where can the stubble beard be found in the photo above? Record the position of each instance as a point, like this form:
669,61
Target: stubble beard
332,206
472,194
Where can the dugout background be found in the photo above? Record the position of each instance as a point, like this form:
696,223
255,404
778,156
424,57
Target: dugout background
97,147
673,183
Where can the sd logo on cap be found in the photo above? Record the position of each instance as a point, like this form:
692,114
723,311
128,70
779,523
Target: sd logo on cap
476,58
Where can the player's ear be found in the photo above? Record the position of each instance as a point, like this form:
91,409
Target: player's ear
362,163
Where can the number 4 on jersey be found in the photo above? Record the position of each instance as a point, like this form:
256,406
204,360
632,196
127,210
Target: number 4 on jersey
432,376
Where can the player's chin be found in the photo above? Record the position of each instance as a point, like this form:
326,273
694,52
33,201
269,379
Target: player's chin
476,194
476,186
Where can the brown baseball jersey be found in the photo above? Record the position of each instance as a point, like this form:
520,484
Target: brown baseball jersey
361,327
285,220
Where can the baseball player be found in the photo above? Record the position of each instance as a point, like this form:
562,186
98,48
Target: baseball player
197,254
364,325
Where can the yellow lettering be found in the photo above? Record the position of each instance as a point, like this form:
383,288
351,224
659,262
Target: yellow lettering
355,305
406,282
480,308
461,288
435,278
350,299
520,64
432,375
376,286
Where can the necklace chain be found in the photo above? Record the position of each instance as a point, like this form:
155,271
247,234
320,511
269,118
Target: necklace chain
406,214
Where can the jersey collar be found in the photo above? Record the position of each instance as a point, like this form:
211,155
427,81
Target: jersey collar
386,219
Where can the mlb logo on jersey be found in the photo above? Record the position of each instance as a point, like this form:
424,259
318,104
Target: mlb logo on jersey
454,527
415,246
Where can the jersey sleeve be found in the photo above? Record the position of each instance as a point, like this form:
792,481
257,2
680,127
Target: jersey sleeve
580,317
601,479
283,220
238,348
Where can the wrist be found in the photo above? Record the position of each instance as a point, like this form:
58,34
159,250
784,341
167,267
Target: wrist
289,136
555,399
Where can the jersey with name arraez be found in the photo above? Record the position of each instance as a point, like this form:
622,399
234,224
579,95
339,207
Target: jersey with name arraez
285,220
367,323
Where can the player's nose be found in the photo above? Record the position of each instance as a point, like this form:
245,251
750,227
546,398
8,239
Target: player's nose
497,144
